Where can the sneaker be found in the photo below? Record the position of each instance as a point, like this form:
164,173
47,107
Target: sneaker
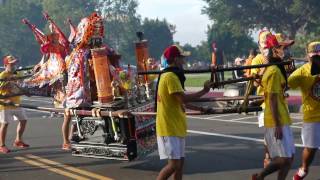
20,144
4,150
66,146
300,174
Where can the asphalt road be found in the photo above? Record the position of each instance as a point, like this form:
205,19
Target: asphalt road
227,146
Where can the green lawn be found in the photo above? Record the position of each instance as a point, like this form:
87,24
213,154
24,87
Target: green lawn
197,80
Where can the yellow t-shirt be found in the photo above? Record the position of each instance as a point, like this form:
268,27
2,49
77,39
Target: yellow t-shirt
6,88
309,85
171,118
259,59
274,82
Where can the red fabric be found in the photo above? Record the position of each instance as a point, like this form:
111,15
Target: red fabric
271,41
52,48
171,52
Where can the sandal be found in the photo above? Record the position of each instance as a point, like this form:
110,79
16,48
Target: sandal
20,144
66,146
4,150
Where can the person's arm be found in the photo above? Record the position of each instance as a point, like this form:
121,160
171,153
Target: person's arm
295,79
184,98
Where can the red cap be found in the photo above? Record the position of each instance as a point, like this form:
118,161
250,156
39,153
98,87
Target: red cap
9,60
267,39
271,41
174,51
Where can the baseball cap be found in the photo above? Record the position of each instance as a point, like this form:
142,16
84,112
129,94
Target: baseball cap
174,51
283,40
267,39
313,49
262,38
238,60
9,60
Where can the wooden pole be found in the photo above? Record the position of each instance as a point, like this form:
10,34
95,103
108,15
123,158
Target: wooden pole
220,69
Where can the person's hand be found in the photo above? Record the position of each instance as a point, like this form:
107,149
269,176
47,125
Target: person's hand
278,133
208,85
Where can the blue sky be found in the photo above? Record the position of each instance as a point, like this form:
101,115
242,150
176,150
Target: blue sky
191,25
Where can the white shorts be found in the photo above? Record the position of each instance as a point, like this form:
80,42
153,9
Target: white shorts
171,147
280,148
310,135
7,115
261,118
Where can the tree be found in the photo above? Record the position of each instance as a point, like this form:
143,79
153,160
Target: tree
15,38
61,10
199,53
203,52
289,16
231,44
121,25
120,19
159,35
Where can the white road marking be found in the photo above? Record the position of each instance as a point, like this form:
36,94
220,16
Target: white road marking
239,119
232,136
37,100
296,123
296,116
224,115
233,121
35,110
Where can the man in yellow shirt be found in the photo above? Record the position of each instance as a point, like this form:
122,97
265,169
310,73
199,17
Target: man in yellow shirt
308,80
8,113
171,123
278,134
263,59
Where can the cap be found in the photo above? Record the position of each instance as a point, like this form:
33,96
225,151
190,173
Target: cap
9,60
313,49
174,51
267,39
283,40
238,60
